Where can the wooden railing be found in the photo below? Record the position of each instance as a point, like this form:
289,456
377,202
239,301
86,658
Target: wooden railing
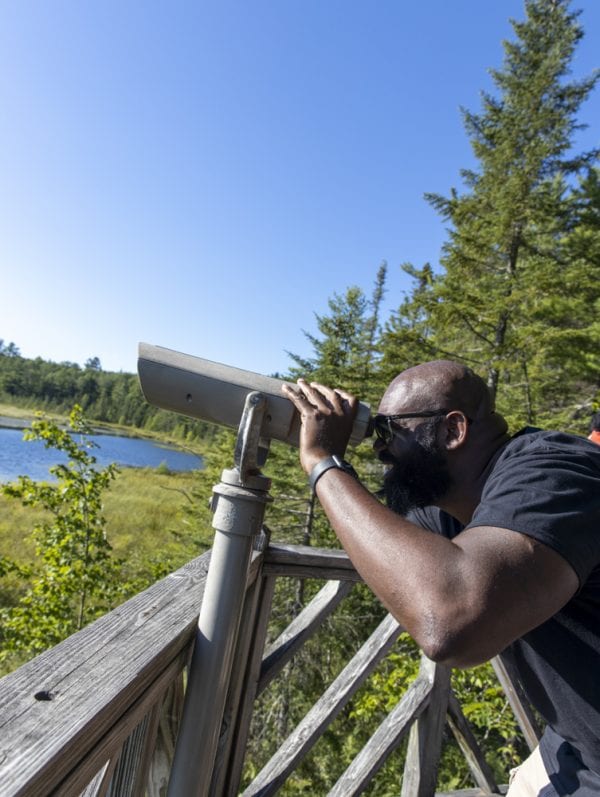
99,713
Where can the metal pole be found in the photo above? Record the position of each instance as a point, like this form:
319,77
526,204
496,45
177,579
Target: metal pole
239,506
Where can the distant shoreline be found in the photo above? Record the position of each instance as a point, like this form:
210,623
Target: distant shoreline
8,422
21,418
14,423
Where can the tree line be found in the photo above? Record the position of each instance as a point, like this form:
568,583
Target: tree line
104,396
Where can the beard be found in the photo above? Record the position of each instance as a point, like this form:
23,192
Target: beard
420,476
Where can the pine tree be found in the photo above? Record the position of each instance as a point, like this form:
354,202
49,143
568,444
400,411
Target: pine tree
505,264
346,352
408,337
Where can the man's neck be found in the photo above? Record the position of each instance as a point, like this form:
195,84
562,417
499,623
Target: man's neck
469,478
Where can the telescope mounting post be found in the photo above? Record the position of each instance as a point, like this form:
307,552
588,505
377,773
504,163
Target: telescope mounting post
238,504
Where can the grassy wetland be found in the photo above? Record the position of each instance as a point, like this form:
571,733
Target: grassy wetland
156,518
147,519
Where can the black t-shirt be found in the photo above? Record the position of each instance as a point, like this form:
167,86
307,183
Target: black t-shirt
547,485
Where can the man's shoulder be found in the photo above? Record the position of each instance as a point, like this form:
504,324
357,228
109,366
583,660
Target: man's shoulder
549,443
532,437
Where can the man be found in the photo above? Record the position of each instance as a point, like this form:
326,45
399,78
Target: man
594,434
514,565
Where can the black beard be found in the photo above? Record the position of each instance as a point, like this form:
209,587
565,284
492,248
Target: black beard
420,476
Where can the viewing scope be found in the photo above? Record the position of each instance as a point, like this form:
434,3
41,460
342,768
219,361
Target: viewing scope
217,393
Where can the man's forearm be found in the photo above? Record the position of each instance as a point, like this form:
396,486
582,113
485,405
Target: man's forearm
414,572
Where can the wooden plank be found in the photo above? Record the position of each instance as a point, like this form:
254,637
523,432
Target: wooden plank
93,679
147,751
322,714
523,712
164,750
126,778
305,561
98,786
246,707
236,686
478,766
301,629
109,746
384,741
425,740
307,554
298,570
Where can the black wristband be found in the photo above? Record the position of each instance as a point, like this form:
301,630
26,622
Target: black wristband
326,464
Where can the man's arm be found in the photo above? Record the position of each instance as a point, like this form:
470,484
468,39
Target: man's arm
462,600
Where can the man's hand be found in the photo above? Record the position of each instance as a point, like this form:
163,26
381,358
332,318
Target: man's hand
327,417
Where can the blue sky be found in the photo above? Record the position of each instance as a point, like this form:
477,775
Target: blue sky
206,175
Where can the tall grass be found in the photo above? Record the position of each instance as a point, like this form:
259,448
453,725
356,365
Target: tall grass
146,522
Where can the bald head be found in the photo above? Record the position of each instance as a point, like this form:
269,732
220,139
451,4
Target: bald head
440,384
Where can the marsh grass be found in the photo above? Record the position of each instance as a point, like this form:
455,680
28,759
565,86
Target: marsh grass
146,523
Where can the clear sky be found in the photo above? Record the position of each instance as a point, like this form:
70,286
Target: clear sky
206,175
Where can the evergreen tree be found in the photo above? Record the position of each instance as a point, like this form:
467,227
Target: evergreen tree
408,336
346,352
105,396
9,349
505,262
573,339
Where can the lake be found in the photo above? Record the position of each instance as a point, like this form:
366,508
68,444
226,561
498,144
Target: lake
30,458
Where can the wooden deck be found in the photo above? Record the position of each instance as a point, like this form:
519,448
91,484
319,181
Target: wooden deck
99,713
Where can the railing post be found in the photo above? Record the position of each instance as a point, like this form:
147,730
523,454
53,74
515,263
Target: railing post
239,507
425,740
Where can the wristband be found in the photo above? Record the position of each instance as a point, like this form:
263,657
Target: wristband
326,464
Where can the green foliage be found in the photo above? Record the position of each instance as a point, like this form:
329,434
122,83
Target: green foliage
76,579
146,523
521,240
346,353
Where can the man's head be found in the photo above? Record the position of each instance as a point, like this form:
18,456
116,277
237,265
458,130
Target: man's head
424,421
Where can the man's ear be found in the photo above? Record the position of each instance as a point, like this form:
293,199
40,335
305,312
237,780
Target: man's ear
457,429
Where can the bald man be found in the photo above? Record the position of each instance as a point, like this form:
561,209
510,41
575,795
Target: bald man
514,564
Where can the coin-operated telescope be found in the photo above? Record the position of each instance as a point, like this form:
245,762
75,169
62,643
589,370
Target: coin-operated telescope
217,393
256,406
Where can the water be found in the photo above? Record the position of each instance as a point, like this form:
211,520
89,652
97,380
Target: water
31,458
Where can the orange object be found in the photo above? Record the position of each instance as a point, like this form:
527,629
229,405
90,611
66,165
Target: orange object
595,437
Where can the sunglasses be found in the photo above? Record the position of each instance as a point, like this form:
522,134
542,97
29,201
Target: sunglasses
383,428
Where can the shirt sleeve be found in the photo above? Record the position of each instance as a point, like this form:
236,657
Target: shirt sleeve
549,489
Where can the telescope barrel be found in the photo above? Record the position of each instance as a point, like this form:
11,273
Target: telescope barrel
214,392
